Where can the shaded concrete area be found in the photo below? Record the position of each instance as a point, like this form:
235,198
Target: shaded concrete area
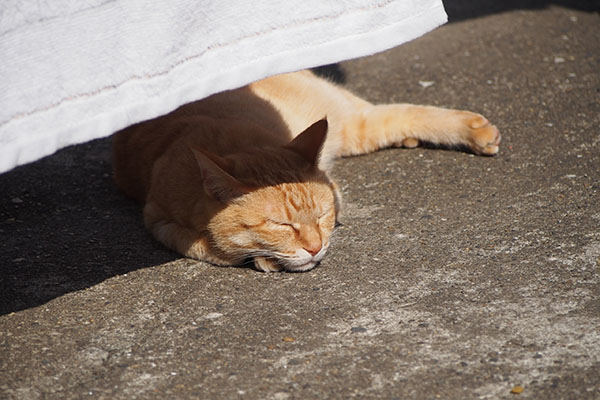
452,276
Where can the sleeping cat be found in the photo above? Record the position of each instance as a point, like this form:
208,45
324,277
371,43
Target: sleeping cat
242,175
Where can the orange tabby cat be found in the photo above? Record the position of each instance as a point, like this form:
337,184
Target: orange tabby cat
239,176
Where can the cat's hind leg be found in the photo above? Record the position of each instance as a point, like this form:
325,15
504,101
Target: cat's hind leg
407,125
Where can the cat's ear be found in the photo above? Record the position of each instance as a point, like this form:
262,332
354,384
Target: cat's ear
218,183
310,142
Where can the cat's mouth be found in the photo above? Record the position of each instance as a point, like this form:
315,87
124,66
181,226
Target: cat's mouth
304,264
279,262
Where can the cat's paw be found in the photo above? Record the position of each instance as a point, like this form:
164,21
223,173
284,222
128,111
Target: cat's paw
266,265
407,143
482,137
411,143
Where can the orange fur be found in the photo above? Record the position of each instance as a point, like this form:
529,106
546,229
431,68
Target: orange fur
239,175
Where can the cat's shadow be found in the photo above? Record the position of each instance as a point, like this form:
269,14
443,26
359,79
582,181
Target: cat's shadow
65,227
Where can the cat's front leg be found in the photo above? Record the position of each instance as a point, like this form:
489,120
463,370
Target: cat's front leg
266,265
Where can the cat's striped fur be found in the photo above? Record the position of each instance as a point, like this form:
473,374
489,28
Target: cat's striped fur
239,176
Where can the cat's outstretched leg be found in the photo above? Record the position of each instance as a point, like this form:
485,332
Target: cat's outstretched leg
406,125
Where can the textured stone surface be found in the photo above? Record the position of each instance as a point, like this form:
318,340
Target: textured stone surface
452,276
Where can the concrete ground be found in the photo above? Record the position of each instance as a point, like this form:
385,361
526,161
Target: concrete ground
452,276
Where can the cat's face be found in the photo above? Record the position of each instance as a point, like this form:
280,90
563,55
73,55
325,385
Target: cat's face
282,227
275,206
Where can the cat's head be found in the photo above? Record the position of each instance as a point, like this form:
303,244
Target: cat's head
278,207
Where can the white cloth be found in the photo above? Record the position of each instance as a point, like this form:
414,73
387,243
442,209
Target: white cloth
76,70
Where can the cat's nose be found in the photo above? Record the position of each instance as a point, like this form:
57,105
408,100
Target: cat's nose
311,239
313,248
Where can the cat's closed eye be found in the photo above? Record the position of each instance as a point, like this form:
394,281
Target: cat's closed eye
283,225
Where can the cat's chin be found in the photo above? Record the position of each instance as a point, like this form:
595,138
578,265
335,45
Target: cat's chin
301,268
270,265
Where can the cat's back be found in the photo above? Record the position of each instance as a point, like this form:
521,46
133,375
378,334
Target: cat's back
265,113
168,141
137,148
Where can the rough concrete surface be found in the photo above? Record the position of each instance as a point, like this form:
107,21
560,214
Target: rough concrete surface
452,276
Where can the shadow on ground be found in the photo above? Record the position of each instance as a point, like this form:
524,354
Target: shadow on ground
64,227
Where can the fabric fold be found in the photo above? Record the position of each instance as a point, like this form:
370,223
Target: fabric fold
76,71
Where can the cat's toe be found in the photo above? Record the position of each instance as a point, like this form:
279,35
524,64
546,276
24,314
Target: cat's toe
407,143
484,138
266,265
410,143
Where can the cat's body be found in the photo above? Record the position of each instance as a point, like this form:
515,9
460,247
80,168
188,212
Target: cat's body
231,177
